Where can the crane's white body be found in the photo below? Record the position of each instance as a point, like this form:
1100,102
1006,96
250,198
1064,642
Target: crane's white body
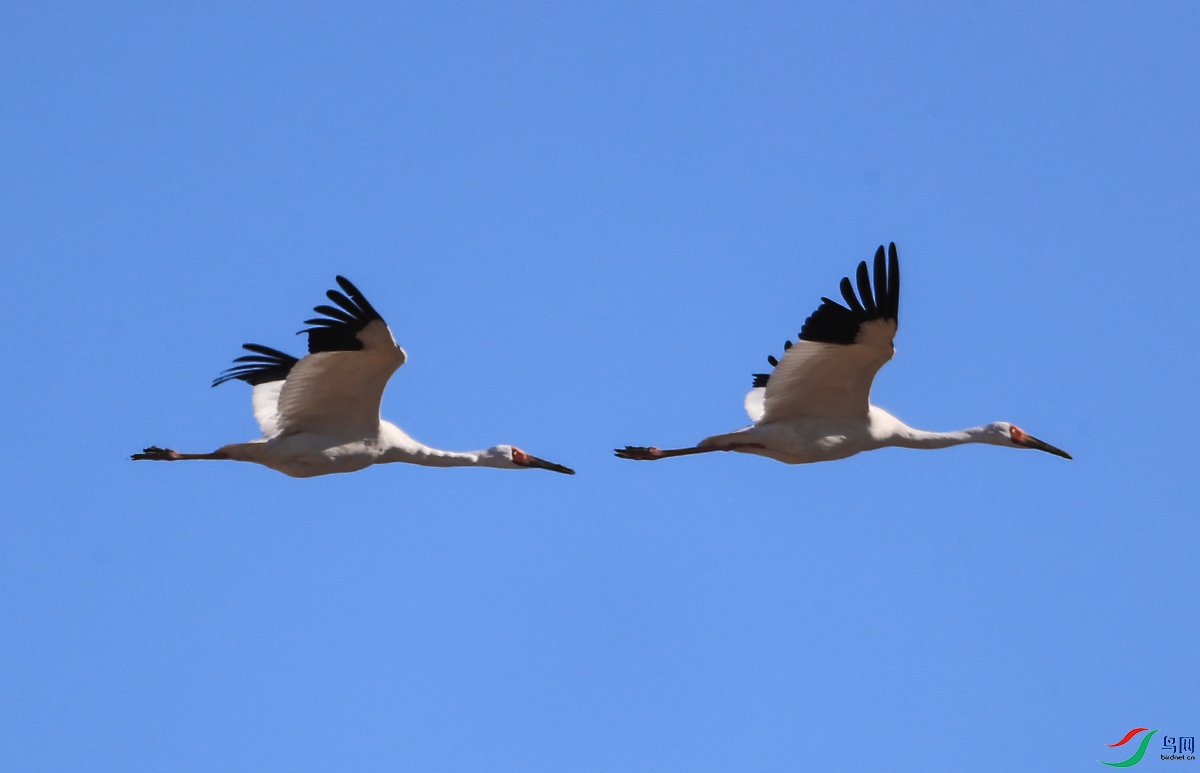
308,454
815,406
319,415
805,439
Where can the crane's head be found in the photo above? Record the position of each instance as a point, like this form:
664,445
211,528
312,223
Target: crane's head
511,456
1006,434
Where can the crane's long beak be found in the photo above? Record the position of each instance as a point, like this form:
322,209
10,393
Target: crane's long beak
533,461
1029,441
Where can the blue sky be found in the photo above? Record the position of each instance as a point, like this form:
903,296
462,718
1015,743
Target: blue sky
588,226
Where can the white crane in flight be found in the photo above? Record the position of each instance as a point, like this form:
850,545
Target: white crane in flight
815,406
320,414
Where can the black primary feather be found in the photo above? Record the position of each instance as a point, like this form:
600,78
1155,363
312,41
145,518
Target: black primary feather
893,283
262,367
833,323
848,293
864,289
338,329
881,278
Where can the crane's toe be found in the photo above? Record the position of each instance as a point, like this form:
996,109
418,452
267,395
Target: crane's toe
638,453
156,454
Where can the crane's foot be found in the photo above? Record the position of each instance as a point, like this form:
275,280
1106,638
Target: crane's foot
639,453
156,454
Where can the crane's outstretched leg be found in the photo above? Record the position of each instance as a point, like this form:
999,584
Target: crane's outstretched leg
156,454
644,454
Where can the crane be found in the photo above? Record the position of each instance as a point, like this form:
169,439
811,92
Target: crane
815,404
320,414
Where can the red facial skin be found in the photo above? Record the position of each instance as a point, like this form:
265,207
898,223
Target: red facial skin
519,456
1018,435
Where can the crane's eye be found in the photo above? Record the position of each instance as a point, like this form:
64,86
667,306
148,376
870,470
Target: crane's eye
1016,434
519,456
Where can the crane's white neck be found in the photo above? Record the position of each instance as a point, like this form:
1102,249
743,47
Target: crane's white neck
398,446
418,453
909,437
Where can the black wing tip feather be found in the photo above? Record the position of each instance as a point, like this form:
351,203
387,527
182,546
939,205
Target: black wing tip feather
262,366
833,323
337,330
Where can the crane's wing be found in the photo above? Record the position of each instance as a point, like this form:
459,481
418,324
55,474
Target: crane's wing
265,369
337,388
829,372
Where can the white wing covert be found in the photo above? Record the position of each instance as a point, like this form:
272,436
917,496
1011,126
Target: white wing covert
754,403
830,371
265,401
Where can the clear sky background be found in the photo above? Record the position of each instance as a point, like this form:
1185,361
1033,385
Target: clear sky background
588,226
